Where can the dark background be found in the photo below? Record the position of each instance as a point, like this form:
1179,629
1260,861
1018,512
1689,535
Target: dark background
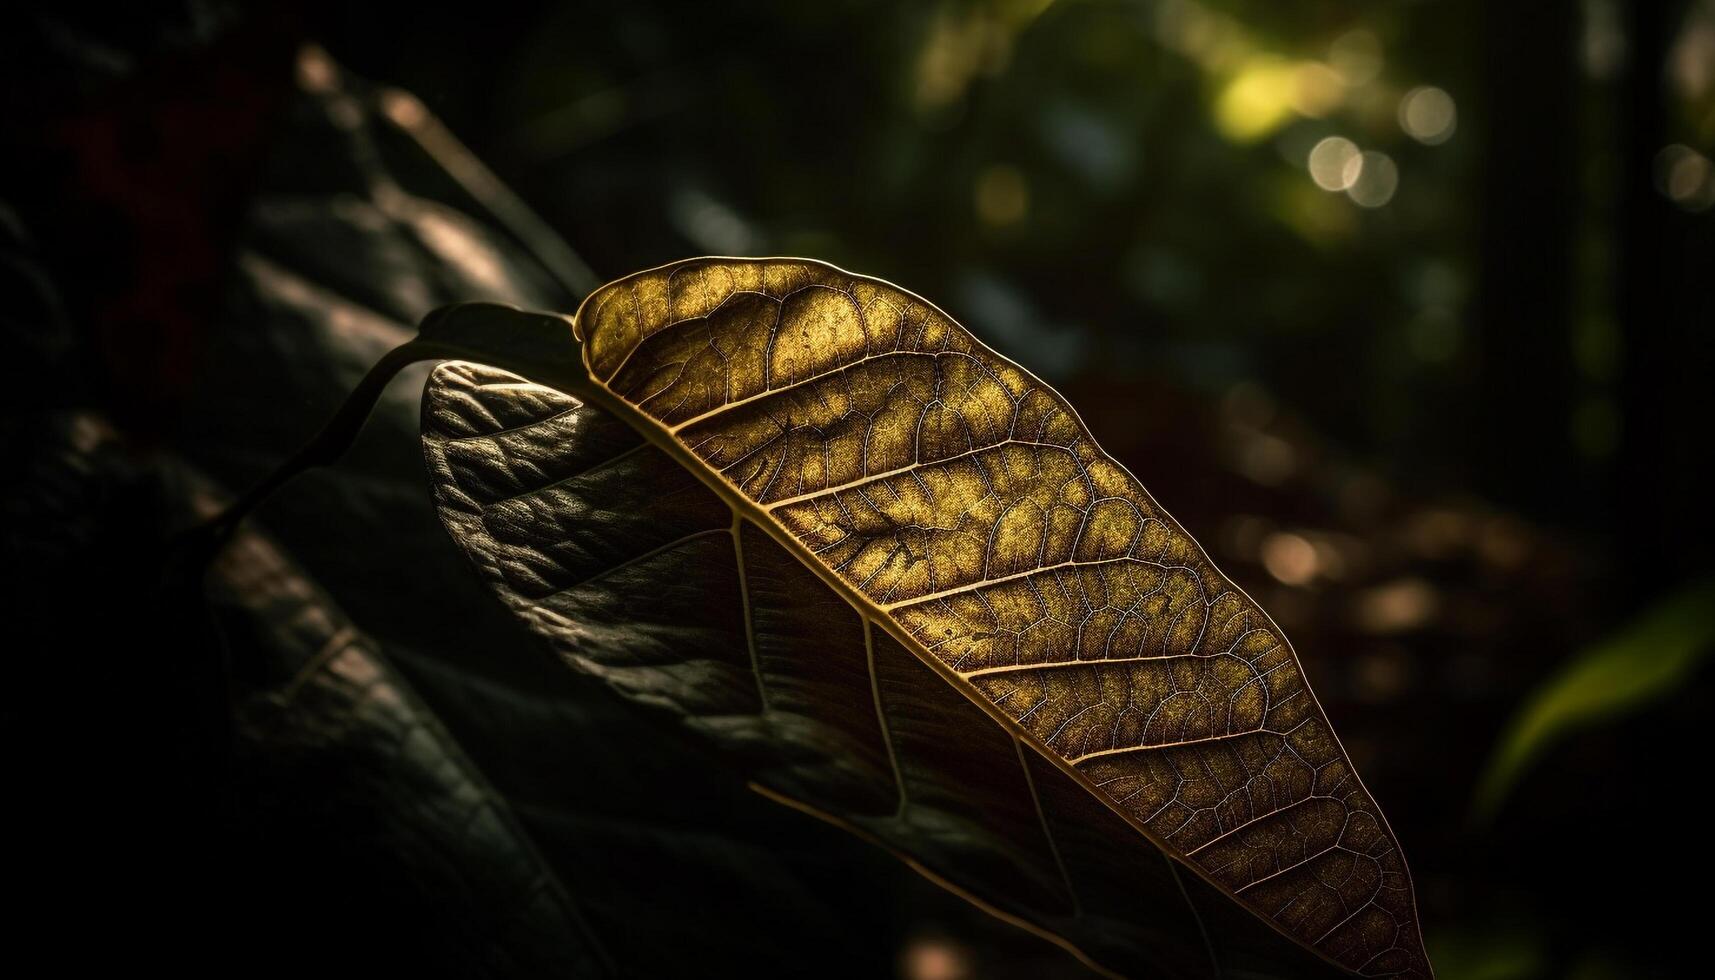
1448,440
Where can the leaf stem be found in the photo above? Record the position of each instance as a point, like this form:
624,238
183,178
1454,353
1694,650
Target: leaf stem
541,344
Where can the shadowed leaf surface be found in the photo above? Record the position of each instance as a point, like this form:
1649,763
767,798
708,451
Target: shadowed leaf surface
891,572
353,822
357,758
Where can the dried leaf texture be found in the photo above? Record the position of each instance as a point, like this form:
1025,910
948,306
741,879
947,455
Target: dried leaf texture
894,573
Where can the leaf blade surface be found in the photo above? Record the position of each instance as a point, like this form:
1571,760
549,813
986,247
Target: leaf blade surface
985,548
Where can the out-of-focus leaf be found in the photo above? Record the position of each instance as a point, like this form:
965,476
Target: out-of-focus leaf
1643,662
1500,952
346,739
894,575
351,790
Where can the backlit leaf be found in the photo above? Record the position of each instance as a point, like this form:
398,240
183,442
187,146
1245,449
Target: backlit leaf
893,576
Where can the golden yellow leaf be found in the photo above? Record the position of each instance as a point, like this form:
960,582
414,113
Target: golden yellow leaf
893,571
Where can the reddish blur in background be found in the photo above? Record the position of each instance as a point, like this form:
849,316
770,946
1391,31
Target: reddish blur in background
1403,309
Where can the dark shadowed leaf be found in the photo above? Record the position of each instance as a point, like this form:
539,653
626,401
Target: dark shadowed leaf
352,824
358,764
892,576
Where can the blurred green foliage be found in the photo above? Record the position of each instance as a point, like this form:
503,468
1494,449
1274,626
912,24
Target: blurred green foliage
1649,659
